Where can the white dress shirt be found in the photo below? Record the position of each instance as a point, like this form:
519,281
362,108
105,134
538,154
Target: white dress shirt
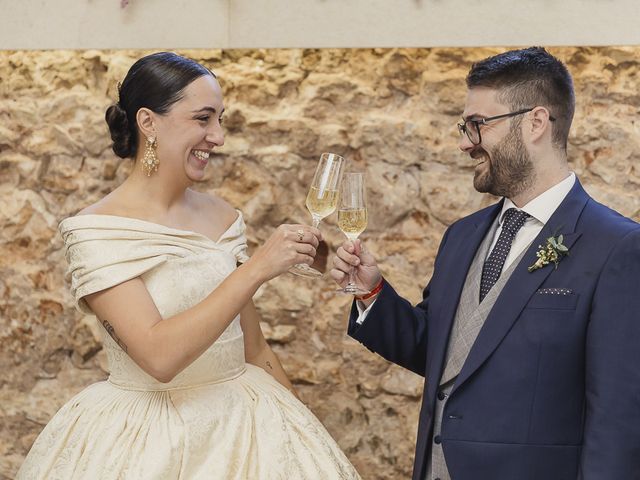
540,210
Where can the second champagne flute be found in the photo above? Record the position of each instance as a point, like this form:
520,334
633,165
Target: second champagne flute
322,199
352,218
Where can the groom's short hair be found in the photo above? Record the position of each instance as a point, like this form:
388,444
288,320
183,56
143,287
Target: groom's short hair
528,78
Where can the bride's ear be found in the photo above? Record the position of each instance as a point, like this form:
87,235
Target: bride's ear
145,119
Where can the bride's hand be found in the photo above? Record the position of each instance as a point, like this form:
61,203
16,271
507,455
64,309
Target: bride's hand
286,247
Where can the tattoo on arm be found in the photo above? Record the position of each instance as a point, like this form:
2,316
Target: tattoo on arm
269,365
111,331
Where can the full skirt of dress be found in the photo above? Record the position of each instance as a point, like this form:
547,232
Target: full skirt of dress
246,428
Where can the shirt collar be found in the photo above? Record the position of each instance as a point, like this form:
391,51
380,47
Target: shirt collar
542,207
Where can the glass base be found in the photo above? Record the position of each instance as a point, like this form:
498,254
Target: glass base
351,289
304,270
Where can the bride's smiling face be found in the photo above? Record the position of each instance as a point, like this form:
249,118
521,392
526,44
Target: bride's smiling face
189,132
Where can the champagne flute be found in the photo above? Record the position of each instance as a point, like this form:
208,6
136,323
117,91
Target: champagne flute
322,199
352,218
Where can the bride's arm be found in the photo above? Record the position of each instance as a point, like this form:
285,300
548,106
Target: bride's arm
256,349
163,348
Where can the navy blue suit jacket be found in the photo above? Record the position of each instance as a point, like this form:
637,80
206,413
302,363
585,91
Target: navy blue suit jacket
551,387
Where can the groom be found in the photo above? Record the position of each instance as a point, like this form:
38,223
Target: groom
528,334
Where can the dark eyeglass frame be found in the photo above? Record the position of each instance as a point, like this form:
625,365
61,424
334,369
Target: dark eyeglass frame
464,130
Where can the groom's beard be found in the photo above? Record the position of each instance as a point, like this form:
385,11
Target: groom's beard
509,169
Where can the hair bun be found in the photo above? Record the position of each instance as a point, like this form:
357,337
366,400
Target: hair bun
122,136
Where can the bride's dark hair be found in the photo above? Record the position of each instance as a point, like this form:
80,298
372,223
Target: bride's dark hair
156,82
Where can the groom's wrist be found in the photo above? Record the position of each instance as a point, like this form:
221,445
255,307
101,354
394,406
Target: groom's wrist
368,298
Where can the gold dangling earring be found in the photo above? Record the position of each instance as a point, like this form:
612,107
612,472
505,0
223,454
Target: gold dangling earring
150,160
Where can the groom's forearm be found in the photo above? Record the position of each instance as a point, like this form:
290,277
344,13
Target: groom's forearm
394,329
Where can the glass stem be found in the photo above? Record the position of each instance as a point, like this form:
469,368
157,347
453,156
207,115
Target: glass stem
316,221
351,285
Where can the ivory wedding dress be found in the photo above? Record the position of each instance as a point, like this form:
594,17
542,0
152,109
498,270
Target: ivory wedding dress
220,418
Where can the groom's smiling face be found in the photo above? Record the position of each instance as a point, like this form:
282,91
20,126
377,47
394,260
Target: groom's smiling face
503,166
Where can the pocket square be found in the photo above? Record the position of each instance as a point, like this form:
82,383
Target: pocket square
554,291
554,299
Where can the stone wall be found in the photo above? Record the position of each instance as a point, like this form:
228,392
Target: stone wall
392,112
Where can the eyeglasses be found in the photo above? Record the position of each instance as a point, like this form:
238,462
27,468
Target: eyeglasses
471,127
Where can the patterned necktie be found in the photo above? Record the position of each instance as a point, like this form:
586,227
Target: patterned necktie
512,222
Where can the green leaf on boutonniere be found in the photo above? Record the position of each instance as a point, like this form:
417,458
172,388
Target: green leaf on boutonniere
551,252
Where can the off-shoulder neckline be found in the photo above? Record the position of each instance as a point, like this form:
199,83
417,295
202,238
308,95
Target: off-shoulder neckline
166,227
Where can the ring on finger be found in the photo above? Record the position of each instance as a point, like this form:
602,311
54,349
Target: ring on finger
300,233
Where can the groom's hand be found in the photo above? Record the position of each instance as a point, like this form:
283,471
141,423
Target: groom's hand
353,255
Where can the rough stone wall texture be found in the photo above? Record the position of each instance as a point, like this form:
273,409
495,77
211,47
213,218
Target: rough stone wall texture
391,111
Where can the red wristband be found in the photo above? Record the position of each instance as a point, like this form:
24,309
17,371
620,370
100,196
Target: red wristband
374,291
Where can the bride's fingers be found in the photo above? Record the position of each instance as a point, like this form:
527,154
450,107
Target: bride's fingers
305,249
316,233
295,234
302,234
303,258
310,238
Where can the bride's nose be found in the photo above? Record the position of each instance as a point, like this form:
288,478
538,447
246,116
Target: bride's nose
215,134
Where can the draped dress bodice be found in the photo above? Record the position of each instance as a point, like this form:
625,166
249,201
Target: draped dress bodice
179,269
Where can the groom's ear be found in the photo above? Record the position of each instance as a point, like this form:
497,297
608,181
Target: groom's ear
539,124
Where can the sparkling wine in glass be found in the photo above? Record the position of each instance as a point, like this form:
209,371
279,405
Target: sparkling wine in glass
322,199
352,218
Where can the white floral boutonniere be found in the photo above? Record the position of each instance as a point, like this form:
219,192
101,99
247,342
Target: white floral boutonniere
552,252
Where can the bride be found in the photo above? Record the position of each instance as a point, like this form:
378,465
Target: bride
194,391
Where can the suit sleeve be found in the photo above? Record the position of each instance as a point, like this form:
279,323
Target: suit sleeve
611,446
394,328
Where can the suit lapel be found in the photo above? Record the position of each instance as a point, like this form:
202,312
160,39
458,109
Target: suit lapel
461,252
523,284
